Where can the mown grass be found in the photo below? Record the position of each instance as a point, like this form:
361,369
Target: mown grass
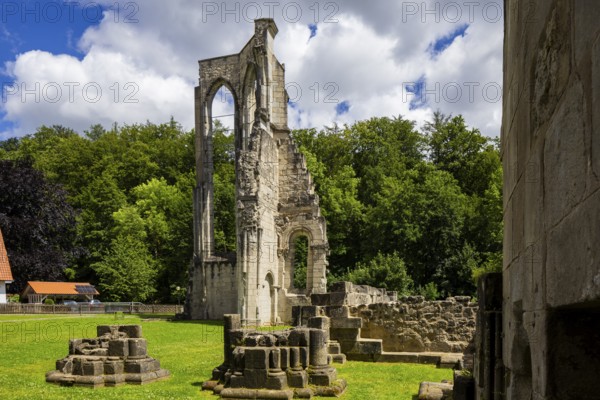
30,345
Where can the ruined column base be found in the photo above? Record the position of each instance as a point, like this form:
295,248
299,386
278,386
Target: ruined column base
276,364
116,357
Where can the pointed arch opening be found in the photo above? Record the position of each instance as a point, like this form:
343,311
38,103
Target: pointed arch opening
222,128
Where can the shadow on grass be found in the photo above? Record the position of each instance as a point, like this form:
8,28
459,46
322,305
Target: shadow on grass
197,321
156,316
197,384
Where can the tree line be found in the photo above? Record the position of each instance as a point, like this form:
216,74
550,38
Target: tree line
418,211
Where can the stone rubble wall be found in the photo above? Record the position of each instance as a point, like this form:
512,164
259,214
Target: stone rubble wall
415,325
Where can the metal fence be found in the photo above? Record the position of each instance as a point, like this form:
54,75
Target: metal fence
83,308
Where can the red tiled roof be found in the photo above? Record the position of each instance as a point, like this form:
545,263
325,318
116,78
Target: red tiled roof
59,288
5,273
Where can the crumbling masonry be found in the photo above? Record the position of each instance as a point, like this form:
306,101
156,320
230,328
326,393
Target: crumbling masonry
117,356
277,364
275,198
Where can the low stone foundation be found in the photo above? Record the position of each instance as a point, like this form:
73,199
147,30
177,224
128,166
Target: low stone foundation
276,364
117,356
415,325
346,333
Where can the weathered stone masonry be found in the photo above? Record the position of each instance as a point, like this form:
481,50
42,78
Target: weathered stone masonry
117,356
551,159
277,364
371,324
415,325
275,198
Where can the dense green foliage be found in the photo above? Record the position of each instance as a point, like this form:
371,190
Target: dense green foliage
132,188
300,251
396,199
385,271
408,210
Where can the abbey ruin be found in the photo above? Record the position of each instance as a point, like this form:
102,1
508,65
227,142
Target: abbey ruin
275,197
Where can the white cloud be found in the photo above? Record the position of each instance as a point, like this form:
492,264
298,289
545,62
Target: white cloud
364,58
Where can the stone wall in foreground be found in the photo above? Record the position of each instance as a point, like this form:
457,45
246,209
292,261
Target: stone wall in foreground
415,325
551,161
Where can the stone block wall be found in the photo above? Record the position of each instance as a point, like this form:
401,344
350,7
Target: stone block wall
488,366
218,280
550,154
415,325
350,294
276,364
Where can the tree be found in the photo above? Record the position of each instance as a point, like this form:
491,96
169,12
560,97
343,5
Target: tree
384,270
300,261
100,170
160,218
469,156
433,197
38,224
127,271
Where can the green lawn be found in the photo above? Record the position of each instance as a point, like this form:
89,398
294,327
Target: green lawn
30,344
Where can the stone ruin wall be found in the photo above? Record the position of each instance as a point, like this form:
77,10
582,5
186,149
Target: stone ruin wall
405,324
415,325
118,355
275,197
550,152
285,364
220,285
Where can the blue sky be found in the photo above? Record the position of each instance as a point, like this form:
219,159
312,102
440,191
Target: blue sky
445,41
50,26
344,61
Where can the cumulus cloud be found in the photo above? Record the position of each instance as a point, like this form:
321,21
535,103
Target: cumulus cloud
344,62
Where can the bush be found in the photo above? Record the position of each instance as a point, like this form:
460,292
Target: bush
49,302
429,291
14,298
385,270
493,264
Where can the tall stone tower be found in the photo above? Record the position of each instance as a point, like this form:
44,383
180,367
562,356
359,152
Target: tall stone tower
275,198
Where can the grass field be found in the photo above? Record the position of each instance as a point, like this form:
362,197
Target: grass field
30,345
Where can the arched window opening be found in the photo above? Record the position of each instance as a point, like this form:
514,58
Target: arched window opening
300,261
223,141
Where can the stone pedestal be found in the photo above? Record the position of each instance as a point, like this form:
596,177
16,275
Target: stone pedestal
111,359
279,364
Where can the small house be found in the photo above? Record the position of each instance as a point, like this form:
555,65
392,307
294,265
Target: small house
5,272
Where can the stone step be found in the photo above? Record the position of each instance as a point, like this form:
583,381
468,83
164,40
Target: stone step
338,358
364,350
442,360
334,348
435,391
